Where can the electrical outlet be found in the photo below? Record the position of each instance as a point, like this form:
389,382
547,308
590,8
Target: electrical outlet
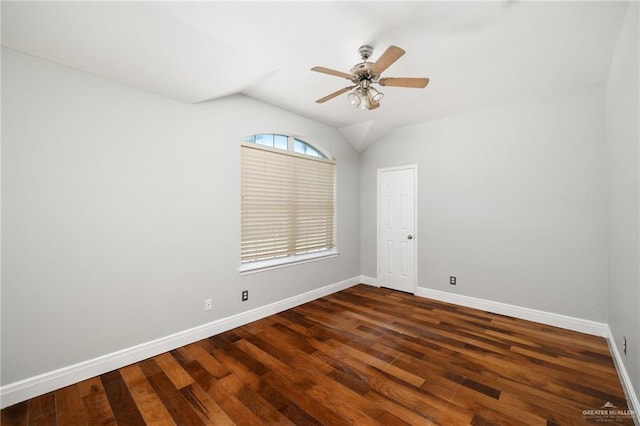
624,344
245,295
452,280
208,304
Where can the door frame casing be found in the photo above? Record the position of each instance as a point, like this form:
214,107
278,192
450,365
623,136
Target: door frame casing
416,235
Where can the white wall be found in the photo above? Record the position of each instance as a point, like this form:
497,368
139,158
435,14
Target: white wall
511,201
623,192
121,214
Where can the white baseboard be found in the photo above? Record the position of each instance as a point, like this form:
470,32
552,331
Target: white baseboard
22,390
557,320
369,281
627,386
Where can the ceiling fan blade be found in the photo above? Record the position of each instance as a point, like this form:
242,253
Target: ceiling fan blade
418,83
332,72
392,54
334,94
374,105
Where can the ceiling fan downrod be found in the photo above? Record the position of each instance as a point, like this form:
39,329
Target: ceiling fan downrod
365,52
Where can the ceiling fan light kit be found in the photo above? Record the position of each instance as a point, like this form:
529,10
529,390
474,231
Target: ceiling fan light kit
365,96
364,74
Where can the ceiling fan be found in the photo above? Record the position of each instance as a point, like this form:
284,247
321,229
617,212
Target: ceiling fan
365,74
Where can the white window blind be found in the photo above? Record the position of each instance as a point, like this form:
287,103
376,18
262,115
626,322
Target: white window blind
288,203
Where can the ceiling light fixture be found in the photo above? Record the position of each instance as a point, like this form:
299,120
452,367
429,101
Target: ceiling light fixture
364,96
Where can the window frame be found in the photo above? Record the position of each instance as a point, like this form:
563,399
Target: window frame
283,262
253,266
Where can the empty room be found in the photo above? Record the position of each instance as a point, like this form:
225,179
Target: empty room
320,213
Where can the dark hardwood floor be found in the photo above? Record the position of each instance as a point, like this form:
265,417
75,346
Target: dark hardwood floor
362,356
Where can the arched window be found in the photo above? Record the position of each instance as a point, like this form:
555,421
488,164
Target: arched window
287,201
286,143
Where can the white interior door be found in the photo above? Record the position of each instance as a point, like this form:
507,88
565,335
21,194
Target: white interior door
397,228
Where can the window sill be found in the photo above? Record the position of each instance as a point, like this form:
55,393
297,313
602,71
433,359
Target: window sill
267,265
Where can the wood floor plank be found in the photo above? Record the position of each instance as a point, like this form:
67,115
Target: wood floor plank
178,407
233,408
240,413
405,414
271,358
96,403
69,407
286,406
16,415
362,356
198,352
174,372
206,408
252,399
312,406
240,384
42,410
122,404
343,405
240,363
149,403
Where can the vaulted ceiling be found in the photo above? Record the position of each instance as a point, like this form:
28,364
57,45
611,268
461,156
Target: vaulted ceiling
477,54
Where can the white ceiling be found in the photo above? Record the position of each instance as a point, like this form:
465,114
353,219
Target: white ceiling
476,54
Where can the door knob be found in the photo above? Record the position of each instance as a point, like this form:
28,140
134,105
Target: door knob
410,237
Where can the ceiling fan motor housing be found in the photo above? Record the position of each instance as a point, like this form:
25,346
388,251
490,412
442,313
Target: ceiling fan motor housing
361,71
